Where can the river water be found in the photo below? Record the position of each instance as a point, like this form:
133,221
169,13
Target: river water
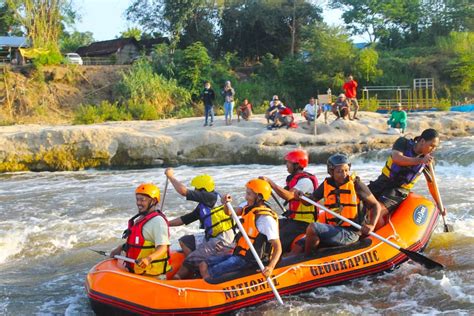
49,220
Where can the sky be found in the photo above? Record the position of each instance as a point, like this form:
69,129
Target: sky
105,18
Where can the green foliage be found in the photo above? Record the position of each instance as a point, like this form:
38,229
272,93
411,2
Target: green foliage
144,89
193,66
443,105
71,42
367,64
143,111
105,111
132,32
369,105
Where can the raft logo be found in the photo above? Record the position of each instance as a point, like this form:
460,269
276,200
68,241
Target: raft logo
344,264
246,287
420,215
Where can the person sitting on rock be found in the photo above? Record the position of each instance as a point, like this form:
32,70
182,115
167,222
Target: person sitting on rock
261,225
272,111
311,110
340,108
218,226
284,118
148,239
244,110
398,118
346,195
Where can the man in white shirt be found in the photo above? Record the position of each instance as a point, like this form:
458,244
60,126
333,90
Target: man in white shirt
310,110
260,224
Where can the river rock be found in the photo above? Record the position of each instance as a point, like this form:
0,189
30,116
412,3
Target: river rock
133,144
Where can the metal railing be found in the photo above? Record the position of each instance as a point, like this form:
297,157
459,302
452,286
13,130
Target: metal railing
98,61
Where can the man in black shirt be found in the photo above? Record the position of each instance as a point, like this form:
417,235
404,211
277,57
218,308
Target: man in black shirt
218,226
208,96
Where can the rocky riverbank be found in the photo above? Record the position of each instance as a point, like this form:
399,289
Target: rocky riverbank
136,144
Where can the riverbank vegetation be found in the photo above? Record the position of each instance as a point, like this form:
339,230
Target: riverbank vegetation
282,47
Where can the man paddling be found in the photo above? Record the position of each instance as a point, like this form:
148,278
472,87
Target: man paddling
147,235
343,193
261,225
298,216
218,226
408,160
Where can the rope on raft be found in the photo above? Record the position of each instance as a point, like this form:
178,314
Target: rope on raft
182,290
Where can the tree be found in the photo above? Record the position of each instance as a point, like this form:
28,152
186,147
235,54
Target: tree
71,42
132,32
8,23
377,18
43,20
193,67
168,16
255,28
367,64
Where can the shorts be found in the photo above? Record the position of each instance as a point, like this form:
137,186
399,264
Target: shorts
326,107
220,265
332,236
392,198
206,248
310,117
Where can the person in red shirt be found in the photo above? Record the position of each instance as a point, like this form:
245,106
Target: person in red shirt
350,89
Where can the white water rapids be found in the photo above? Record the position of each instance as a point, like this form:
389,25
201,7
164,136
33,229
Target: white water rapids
49,220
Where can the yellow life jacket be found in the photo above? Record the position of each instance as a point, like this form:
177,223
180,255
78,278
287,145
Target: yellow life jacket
259,241
342,200
137,247
215,220
297,210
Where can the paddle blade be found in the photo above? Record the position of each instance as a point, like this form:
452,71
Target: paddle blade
426,262
448,228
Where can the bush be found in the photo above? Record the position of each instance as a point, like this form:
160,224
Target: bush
143,111
141,88
105,111
369,105
443,105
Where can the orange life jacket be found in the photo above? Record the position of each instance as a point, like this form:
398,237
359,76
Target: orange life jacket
259,241
137,247
342,200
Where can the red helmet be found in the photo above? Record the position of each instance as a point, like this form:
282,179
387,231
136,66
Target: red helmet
298,156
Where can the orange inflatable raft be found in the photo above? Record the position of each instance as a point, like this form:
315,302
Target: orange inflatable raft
112,289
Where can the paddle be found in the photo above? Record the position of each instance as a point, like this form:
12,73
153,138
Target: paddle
419,258
164,195
278,202
437,197
106,254
257,258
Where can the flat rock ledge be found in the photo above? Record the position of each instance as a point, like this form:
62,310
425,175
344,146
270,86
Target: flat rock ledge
142,144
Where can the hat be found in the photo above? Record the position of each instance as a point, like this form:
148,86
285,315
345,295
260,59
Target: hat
396,105
342,95
275,97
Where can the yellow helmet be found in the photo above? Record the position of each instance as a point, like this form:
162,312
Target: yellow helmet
148,189
203,181
260,186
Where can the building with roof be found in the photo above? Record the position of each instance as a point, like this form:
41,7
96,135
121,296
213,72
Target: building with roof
9,49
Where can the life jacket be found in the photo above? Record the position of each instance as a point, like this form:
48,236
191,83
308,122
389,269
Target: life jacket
342,200
137,247
403,176
214,220
297,210
259,241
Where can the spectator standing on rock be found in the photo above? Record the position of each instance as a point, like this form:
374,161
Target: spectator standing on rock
208,96
228,93
350,88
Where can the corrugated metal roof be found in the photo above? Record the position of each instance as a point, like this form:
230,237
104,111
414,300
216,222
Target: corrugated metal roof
14,41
